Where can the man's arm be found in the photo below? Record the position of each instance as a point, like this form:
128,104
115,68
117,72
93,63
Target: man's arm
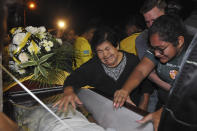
7,124
144,101
155,78
141,71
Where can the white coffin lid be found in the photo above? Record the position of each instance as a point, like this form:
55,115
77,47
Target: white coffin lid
102,110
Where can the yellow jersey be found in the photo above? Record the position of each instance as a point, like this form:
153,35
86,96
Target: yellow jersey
128,44
83,52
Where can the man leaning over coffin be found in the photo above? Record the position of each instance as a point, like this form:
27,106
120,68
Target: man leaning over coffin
107,71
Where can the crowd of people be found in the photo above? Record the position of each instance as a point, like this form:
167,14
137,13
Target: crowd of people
129,70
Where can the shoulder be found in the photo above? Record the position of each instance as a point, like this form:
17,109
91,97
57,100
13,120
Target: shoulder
93,62
150,55
129,38
130,56
81,40
143,35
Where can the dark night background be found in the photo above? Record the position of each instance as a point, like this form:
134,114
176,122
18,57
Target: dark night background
78,12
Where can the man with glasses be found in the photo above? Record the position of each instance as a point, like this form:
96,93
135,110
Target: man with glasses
151,10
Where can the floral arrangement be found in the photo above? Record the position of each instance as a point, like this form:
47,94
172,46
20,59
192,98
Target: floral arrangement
35,52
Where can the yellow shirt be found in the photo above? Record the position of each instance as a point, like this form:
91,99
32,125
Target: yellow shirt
128,44
83,52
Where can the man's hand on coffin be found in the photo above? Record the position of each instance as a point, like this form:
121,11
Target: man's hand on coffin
120,96
154,117
68,97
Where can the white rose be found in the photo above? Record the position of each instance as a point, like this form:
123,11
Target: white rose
42,35
47,48
18,38
12,48
23,57
32,29
50,43
59,41
41,29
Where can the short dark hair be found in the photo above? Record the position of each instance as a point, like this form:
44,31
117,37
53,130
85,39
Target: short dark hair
85,28
150,4
103,34
169,28
174,7
136,20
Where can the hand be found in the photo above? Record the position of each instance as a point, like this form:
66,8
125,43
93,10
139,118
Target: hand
130,101
120,96
69,97
154,117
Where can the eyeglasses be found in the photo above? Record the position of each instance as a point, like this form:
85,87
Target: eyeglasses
160,50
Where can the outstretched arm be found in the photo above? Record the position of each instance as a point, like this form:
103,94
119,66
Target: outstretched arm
68,97
144,101
141,71
7,124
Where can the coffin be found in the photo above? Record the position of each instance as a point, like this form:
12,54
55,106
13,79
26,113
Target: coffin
122,119
101,107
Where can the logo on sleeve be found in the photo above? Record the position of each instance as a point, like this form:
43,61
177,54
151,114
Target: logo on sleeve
173,74
86,52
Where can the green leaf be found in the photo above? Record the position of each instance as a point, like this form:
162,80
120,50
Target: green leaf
29,63
46,65
35,57
42,71
36,71
44,58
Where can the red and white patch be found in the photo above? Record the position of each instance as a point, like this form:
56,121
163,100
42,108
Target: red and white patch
173,74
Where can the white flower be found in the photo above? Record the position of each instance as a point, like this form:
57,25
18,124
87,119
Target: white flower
50,43
44,43
23,57
18,38
59,41
41,29
19,30
13,66
42,35
21,71
47,48
12,48
32,48
32,29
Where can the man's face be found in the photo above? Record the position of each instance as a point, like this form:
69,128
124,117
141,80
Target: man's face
108,54
90,34
131,29
70,36
152,15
